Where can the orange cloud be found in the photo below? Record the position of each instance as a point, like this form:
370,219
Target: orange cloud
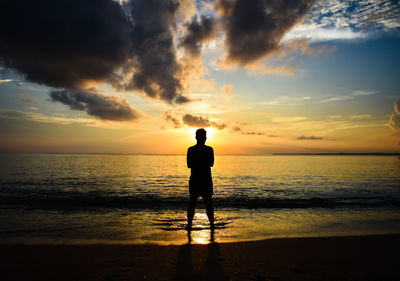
227,90
24,97
394,121
258,68
303,46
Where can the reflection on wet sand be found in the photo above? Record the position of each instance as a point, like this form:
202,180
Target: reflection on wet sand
200,237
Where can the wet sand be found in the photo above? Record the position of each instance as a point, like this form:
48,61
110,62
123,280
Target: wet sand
330,258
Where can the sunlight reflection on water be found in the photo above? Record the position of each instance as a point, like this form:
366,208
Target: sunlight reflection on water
143,198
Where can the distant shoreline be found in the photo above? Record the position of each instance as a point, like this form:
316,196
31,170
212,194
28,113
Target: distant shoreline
268,154
344,154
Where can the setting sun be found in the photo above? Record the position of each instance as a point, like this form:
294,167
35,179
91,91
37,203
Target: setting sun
212,133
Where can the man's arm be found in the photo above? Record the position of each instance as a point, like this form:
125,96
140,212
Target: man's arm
189,158
211,157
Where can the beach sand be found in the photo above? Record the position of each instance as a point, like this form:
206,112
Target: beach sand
330,258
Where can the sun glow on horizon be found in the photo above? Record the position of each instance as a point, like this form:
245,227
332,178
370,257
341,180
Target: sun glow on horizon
211,133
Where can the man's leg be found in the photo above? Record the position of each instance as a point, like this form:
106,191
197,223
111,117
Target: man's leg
209,210
190,211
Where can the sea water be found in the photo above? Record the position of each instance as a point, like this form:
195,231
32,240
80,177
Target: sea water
86,198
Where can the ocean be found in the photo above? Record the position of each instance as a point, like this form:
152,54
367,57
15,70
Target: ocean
93,198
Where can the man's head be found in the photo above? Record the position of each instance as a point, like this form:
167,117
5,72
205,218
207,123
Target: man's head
201,136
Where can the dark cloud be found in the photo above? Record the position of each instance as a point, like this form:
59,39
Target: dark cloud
253,133
394,121
156,67
195,121
104,107
199,121
197,33
64,43
309,138
219,126
182,99
168,117
67,43
239,130
254,28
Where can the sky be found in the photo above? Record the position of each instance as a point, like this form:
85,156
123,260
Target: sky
140,76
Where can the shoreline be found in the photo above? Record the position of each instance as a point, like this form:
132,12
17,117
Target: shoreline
371,257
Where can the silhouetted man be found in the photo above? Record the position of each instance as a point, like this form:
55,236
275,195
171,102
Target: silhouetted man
200,159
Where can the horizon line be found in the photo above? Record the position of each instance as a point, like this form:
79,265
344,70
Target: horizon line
222,154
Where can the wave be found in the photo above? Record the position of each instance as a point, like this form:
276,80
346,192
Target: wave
152,202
